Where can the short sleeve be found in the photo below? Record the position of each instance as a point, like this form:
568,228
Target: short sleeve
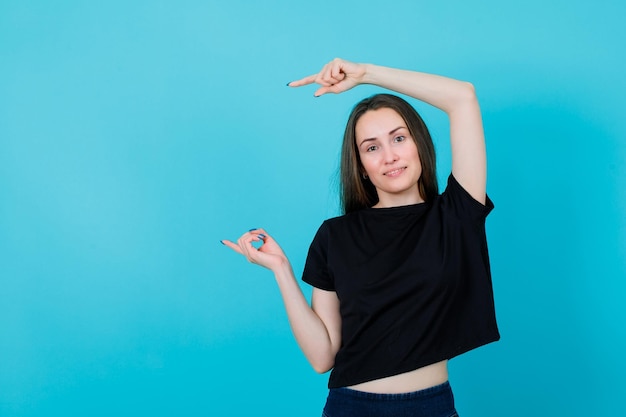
457,200
316,271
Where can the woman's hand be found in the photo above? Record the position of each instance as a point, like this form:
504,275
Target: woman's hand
335,77
268,255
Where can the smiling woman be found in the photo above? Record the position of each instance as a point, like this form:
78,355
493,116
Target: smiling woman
389,160
402,280
385,117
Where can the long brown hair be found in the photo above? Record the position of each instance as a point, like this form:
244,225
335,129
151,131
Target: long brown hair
357,192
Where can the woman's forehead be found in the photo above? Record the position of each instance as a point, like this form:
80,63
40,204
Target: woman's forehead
378,123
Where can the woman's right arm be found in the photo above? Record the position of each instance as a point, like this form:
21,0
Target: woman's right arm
317,328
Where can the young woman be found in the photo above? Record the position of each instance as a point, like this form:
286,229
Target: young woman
401,282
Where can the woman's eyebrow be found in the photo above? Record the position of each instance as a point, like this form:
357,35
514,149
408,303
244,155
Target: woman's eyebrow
396,129
367,140
391,132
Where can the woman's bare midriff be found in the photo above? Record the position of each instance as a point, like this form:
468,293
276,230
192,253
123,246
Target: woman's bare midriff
422,378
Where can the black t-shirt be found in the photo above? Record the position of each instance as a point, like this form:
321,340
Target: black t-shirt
413,282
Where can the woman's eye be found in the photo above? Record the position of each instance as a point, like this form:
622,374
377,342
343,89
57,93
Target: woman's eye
371,148
399,139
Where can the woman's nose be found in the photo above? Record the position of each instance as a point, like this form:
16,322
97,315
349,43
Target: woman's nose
390,155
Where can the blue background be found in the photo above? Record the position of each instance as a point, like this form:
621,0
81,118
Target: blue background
136,135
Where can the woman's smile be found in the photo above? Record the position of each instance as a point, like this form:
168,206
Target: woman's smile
395,173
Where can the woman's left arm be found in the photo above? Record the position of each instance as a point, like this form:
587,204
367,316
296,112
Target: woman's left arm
456,98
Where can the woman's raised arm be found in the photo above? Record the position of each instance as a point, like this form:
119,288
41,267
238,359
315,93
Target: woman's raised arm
456,98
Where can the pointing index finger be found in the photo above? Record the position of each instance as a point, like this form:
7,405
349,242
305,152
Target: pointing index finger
232,245
304,81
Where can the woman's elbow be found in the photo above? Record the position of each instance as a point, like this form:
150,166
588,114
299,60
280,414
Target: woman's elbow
467,92
322,369
322,365
463,100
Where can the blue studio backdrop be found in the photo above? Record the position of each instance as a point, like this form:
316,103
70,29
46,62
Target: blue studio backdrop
135,135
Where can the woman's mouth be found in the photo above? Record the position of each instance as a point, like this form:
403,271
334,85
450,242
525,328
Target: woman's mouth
395,172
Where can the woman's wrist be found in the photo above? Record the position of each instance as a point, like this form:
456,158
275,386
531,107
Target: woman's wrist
283,270
369,71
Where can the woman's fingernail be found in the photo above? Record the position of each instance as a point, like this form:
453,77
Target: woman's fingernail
252,230
222,242
262,236
289,83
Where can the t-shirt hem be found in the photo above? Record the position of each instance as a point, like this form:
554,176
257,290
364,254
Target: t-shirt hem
420,364
318,284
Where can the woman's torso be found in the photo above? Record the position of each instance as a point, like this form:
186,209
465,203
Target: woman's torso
414,288
422,378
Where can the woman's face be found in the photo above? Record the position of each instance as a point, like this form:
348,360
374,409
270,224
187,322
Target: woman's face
389,156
